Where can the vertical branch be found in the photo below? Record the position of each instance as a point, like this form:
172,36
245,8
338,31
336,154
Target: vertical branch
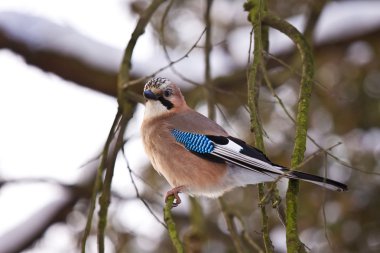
126,108
208,48
105,197
314,13
324,203
229,217
196,235
171,225
123,76
292,239
257,9
254,76
98,181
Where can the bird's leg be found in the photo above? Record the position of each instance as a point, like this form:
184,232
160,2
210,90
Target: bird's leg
175,192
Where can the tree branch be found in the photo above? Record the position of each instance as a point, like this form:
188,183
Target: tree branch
293,242
229,218
125,112
138,195
171,225
28,232
256,10
105,197
125,66
98,181
207,50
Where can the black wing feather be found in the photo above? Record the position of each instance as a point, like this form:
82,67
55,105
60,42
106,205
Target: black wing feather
251,158
209,157
252,151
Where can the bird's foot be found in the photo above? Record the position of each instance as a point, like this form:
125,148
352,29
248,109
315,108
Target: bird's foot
174,192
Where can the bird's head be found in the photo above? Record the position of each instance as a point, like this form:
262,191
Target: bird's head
162,96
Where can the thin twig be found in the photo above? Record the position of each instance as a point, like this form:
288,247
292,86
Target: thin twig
340,161
169,65
163,25
225,119
249,52
207,53
196,234
165,49
162,30
138,193
98,181
93,159
293,71
34,181
105,197
308,159
153,189
229,217
246,235
123,77
194,46
324,205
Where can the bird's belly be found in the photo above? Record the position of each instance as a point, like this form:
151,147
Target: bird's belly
198,175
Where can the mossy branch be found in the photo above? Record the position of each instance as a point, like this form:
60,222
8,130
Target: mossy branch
124,114
98,181
105,197
208,48
256,10
171,225
125,66
292,239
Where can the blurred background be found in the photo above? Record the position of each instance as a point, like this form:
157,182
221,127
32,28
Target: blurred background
58,66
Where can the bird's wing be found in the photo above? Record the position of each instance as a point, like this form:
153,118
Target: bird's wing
227,149
194,122
235,151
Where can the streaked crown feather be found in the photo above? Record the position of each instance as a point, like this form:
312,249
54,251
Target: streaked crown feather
157,83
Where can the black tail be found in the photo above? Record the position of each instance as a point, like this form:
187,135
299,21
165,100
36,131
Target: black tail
324,182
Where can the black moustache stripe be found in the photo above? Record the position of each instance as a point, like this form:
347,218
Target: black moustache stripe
169,105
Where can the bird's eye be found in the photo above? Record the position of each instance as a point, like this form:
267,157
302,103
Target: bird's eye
167,93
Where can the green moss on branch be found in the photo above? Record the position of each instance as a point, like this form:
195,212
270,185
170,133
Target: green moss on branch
125,112
292,239
256,10
171,225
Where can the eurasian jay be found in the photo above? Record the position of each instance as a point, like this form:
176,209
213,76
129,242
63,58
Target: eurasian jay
197,156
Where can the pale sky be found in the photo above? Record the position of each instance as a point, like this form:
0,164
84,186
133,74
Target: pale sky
50,127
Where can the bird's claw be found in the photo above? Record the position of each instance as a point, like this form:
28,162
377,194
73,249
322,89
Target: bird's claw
174,192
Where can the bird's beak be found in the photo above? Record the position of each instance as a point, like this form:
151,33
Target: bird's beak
148,94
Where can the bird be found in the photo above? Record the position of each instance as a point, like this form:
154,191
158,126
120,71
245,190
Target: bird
197,156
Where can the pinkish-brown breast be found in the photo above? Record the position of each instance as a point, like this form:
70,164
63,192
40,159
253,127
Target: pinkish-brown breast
179,166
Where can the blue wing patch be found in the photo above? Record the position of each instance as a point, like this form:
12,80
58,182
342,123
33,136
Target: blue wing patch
222,149
194,142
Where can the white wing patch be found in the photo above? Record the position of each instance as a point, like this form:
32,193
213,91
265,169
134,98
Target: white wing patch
232,152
